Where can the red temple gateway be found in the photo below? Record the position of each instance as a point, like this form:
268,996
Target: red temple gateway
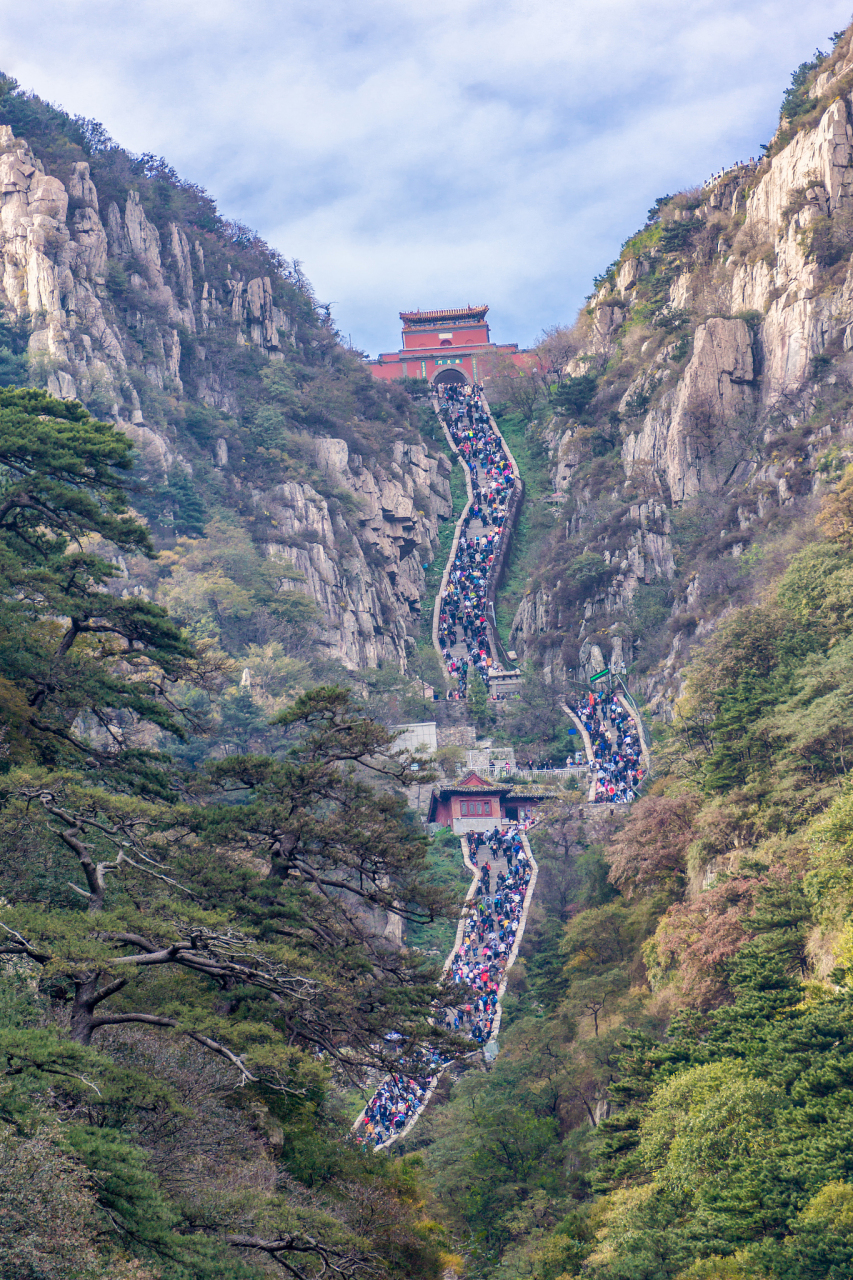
446,346
477,804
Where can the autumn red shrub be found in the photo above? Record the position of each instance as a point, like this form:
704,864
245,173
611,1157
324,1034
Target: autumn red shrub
695,940
650,851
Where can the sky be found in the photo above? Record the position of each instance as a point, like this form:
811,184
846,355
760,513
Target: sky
427,154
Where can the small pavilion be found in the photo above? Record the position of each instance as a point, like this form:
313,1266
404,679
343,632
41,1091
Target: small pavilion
473,803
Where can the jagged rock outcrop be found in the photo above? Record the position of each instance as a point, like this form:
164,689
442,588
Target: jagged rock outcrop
364,622
692,438
714,340
108,304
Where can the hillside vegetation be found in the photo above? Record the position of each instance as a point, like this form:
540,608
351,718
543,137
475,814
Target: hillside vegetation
294,501
675,1081
673,1095
218,543
193,965
211,519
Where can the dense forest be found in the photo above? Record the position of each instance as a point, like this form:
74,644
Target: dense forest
220,542
192,974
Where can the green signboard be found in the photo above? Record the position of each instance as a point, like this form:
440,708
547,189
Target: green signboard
599,675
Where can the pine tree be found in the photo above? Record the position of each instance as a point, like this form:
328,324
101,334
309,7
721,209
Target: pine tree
478,698
81,665
180,507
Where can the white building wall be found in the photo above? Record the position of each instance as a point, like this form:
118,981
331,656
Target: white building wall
416,737
461,825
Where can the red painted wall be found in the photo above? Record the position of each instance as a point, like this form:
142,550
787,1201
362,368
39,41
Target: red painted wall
422,354
494,803
399,364
443,813
463,335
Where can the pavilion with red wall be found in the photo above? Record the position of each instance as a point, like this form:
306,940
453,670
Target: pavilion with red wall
479,804
451,345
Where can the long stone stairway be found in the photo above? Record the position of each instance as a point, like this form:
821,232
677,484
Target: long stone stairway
382,1137
471,587
403,1088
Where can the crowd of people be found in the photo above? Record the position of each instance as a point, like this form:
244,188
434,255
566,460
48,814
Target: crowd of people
491,923
398,1098
616,749
492,916
462,631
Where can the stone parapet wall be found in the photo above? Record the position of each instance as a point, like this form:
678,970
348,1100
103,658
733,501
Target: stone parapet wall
456,735
500,561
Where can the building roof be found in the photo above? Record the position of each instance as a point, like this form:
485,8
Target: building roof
472,785
531,791
449,315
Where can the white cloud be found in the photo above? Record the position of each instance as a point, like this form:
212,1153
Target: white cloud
417,155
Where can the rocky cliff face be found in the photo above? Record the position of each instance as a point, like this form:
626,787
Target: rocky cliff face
152,325
720,344
370,604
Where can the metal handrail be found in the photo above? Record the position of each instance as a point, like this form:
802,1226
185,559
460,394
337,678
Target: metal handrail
641,724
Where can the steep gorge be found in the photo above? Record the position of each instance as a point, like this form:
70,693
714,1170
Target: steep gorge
673,1095
672,1100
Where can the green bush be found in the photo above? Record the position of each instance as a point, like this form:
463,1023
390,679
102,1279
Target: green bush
797,101
574,395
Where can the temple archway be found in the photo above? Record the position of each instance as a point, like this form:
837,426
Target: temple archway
455,377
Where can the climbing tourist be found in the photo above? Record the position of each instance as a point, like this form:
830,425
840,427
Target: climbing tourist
463,604
616,765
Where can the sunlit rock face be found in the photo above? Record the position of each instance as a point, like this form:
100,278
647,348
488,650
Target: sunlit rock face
748,329
64,247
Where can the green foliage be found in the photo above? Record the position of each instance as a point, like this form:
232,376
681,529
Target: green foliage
268,883
655,211
827,241
705,1123
132,1208
830,879
49,1221
820,1243
638,402
671,319
177,506
726,1150
536,721
14,367
797,101
675,236
574,394
478,698
586,571
70,648
737,1127
136,1140
651,606
416,387
608,276
447,871
532,526
230,597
